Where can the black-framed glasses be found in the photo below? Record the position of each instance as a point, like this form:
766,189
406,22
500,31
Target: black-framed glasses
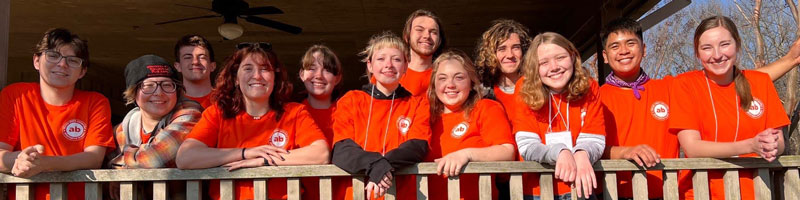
166,87
55,57
262,45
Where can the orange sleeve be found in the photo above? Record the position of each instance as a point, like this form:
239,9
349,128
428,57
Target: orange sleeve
494,125
100,131
522,118
421,125
594,121
776,117
684,110
207,129
307,131
343,126
8,121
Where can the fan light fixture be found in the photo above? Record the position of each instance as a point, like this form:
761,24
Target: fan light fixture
230,31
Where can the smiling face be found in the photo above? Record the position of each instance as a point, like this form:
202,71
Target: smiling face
623,52
717,50
319,82
509,54
60,74
159,103
555,66
194,63
452,85
424,36
255,79
387,65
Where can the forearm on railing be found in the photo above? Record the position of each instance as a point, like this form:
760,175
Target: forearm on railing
531,148
314,154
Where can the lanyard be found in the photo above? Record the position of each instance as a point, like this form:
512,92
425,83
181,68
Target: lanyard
558,113
369,118
716,121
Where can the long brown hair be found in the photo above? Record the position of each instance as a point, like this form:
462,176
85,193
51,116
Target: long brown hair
437,107
485,57
229,97
533,91
742,85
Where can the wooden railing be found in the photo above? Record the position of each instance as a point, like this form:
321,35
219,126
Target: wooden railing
784,169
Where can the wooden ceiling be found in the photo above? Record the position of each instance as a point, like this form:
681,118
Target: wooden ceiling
119,31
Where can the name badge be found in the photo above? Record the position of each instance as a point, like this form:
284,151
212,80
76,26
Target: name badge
563,137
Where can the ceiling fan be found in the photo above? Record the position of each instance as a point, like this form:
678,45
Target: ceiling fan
231,10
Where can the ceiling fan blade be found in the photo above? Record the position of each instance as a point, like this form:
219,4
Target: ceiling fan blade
185,19
262,11
191,6
273,24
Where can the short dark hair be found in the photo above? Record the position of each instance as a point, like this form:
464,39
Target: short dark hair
57,37
622,25
194,40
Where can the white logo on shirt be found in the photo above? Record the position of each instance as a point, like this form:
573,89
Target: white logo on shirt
74,130
459,130
756,108
660,110
403,124
278,138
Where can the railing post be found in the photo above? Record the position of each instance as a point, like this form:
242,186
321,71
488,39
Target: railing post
731,180
24,191
639,182
293,188
546,191
127,191
453,188
193,190
485,187
422,191
610,186
325,188
791,184
516,186
762,184
58,191
700,183
260,189
226,190
92,191
671,191
358,188
160,190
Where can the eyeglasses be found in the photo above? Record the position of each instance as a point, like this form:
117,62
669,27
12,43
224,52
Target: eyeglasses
55,57
166,87
262,45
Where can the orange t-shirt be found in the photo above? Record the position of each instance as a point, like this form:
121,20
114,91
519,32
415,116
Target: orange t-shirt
417,82
408,119
508,100
63,130
631,122
585,116
204,101
692,110
324,120
295,129
486,126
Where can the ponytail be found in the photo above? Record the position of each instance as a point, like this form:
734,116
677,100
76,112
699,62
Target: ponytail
742,88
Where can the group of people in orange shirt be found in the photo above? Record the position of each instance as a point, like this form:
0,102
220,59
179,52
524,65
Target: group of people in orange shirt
524,98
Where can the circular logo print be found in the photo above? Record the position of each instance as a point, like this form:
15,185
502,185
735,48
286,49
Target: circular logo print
278,138
756,108
74,130
660,110
403,124
459,130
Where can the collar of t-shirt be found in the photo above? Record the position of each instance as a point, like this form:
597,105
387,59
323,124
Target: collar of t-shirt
400,92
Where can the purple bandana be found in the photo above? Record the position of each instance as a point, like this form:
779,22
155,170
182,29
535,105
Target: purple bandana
636,85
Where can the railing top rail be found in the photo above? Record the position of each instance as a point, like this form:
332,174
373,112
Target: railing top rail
105,175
